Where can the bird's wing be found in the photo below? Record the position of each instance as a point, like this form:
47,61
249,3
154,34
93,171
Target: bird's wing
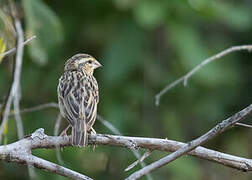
70,98
78,98
90,100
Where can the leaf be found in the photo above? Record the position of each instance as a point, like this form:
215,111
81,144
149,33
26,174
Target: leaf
5,131
2,48
7,31
42,22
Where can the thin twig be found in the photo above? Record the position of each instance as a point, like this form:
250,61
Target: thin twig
168,87
107,124
56,133
6,111
57,125
197,68
12,92
243,125
36,108
144,156
14,49
40,107
114,130
219,128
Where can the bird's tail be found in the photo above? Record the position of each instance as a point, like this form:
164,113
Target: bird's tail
79,134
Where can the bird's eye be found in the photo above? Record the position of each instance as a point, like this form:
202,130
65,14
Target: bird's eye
89,61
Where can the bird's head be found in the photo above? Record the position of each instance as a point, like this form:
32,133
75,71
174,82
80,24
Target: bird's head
82,62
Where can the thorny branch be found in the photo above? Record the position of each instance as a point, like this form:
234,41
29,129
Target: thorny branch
219,128
185,78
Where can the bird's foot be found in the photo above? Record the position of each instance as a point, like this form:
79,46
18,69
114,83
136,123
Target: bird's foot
93,131
64,132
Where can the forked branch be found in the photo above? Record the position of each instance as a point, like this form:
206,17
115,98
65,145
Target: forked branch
218,129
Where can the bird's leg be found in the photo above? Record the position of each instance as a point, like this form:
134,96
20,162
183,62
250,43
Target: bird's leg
64,132
93,131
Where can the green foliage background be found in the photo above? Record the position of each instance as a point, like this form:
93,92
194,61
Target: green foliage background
143,45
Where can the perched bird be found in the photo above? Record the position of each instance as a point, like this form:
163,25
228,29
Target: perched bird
78,96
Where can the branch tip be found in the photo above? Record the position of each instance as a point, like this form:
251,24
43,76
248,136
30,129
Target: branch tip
202,64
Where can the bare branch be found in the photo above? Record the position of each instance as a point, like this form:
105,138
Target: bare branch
18,71
54,168
202,64
219,128
148,143
20,151
17,77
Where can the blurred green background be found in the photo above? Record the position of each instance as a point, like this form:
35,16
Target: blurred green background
143,46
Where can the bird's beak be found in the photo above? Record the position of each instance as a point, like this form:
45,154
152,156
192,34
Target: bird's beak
97,64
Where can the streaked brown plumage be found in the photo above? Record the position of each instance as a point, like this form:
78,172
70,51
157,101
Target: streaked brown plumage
78,96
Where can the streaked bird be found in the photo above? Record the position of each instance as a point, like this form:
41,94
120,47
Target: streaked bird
78,96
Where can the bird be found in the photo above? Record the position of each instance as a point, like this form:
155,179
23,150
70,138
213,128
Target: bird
78,96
